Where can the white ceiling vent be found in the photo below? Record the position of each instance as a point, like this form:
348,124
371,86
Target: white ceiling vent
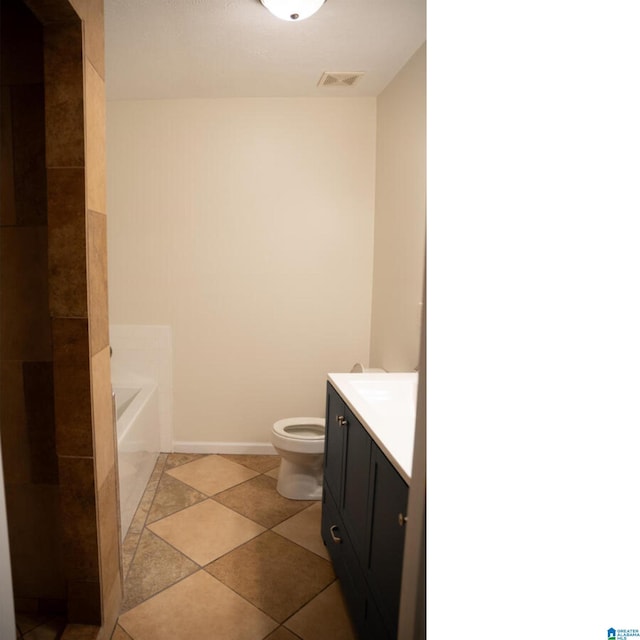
340,78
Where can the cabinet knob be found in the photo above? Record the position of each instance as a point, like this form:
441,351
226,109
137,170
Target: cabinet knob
402,519
342,421
332,530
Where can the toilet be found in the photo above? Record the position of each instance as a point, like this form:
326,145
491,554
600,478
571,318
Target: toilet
300,443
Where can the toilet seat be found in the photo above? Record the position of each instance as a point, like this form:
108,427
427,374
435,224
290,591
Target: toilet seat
300,435
300,428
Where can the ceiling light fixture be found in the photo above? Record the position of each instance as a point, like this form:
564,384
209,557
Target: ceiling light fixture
292,10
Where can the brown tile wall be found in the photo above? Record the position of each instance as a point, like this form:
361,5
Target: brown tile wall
67,242
27,419
74,92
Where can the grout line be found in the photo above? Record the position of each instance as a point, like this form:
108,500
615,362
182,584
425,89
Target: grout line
298,544
182,553
308,601
161,473
295,635
169,586
139,535
173,513
253,604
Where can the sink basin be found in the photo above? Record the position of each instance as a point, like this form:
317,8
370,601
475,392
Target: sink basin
390,394
385,404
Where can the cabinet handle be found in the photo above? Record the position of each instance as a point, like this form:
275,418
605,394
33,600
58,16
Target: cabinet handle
402,519
332,530
342,421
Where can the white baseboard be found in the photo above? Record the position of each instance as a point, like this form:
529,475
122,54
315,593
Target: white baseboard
250,448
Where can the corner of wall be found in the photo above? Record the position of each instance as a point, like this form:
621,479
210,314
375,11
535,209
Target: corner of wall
400,219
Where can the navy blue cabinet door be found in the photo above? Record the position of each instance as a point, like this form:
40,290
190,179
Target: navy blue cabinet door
388,510
334,444
356,484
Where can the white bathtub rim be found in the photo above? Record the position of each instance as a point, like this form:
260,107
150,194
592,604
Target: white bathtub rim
131,413
131,380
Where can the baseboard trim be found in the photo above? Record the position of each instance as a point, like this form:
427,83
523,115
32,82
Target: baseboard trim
250,448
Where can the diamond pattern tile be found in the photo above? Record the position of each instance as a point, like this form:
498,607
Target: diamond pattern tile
282,633
212,474
274,574
258,499
266,577
206,531
324,617
262,464
304,529
171,496
120,634
155,566
178,459
197,608
274,472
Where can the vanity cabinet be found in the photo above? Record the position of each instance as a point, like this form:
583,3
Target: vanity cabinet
363,518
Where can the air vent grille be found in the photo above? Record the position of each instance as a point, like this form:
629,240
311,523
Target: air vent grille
340,78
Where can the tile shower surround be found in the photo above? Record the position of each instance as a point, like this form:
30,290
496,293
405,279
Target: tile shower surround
214,551
70,260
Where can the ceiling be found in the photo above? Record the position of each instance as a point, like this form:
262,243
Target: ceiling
167,49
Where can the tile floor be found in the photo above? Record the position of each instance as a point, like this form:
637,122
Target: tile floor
39,626
214,552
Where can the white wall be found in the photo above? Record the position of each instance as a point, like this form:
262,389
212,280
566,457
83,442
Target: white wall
400,218
247,226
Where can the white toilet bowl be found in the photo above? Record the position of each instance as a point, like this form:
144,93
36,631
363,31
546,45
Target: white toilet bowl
300,443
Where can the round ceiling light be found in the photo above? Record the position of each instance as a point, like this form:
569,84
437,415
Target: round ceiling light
292,10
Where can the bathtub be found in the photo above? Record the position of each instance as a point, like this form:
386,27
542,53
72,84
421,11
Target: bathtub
138,433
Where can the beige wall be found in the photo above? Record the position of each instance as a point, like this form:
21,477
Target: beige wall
247,226
400,218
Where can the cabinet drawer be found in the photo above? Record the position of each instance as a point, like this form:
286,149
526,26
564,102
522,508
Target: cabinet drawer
344,561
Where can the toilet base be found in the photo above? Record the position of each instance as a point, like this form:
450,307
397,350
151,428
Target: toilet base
301,481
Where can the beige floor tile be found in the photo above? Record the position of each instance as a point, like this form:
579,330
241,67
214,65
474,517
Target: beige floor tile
262,464
324,617
282,633
178,459
206,530
273,573
155,566
274,472
258,500
171,496
212,474
120,634
304,529
197,608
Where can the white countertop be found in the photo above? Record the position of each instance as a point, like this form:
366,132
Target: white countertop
385,403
